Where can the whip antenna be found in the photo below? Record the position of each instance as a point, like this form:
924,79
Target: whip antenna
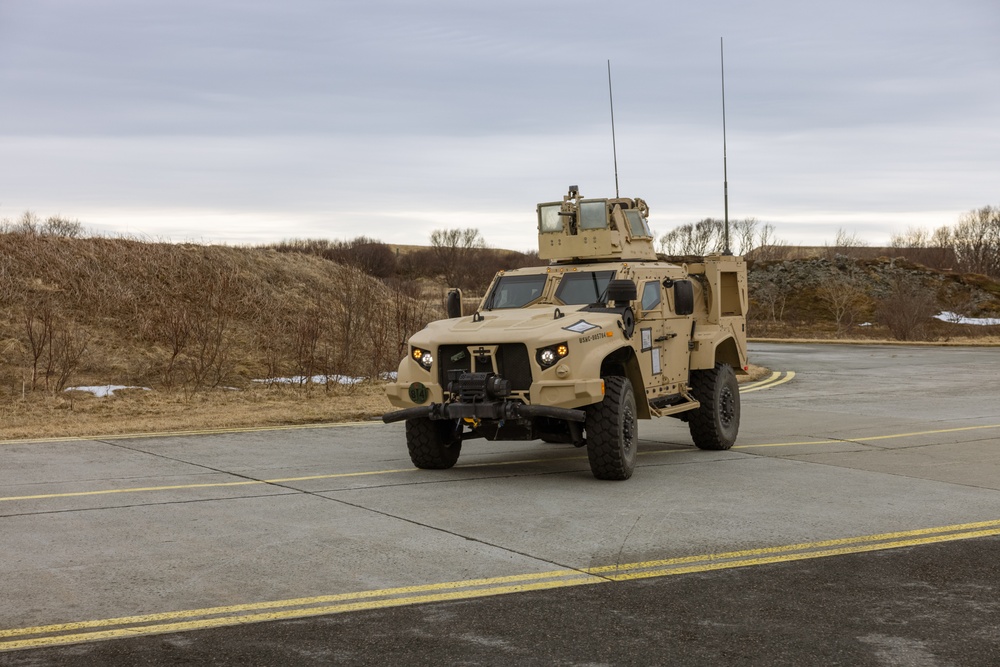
725,168
614,147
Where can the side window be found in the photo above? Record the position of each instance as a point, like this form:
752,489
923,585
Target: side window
650,295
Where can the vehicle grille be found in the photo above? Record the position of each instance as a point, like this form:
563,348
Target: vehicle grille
512,363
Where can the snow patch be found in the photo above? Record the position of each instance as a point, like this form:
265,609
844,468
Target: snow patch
314,379
105,389
955,318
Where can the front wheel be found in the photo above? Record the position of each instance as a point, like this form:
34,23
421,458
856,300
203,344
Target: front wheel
715,424
432,443
612,431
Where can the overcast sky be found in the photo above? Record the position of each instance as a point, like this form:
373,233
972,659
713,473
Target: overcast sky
246,121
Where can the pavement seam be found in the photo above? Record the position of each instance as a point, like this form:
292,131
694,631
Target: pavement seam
153,504
453,534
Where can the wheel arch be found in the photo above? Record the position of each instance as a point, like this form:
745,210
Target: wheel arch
724,351
623,362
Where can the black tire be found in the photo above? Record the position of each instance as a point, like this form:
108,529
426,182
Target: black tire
612,431
717,422
432,443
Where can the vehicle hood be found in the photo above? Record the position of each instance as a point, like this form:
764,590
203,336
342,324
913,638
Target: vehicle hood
520,325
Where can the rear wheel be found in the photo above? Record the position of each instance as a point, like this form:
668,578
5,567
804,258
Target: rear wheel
432,443
612,431
715,424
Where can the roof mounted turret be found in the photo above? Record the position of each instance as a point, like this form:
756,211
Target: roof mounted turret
578,229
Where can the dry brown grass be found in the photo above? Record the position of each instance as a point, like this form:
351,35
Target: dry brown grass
122,311
79,414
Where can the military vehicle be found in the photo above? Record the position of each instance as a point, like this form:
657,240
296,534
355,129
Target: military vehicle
578,351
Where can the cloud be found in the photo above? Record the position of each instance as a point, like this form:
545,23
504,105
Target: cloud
247,119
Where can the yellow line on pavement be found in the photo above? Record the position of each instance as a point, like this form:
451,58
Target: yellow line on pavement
169,434
213,617
487,464
774,376
769,384
783,558
295,602
844,542
862,438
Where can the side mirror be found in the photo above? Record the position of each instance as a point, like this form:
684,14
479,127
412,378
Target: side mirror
453,303
683,297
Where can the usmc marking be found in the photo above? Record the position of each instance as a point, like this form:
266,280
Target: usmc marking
593,337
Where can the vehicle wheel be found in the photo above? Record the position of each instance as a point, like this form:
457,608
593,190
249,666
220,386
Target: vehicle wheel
715,424
612,431
432,443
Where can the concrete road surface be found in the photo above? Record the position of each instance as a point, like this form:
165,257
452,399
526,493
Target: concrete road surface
861,503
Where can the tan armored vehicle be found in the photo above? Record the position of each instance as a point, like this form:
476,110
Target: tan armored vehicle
578,351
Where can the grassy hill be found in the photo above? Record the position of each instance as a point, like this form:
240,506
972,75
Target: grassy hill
114,310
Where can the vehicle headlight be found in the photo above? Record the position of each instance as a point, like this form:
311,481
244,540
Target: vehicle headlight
422,357
548,356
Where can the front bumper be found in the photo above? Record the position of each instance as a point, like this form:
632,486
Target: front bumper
493,410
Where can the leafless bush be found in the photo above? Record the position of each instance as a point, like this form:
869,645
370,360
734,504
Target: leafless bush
29,224
455,252
67,348
771,301
59,226
907,310
38,325
698,238
844,298
176,333
756,241
53,346
846,244
976,240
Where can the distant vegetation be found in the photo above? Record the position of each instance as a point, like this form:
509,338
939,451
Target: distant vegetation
77,309
459,257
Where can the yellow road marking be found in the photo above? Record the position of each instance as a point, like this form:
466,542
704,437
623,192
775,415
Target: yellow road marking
774,376
213,617
769,383
862,438
295,602
169,434
487,464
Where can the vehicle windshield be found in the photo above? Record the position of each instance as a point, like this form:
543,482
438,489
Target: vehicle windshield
584,287
516,291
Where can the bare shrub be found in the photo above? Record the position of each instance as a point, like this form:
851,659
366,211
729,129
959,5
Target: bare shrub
844,298
39,321
846,244
59,226
907,310
456,252
699,238
976,240
68,346
758,242
771,300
